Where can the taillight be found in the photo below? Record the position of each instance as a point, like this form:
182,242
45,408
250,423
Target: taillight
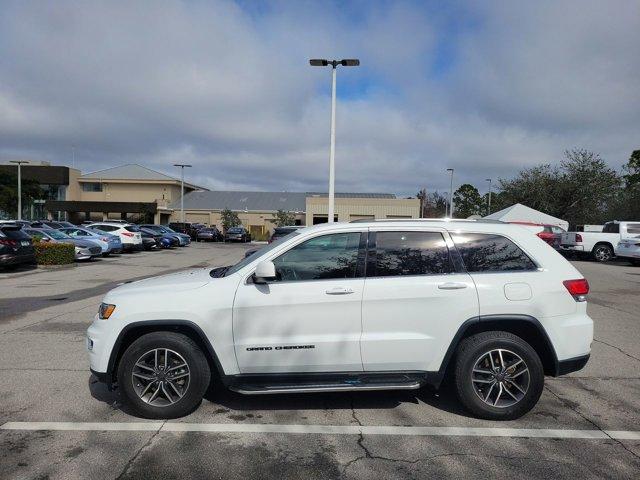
578,237
578,288
127,234
8,241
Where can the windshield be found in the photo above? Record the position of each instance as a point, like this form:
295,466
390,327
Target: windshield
236,230
57,235
259,253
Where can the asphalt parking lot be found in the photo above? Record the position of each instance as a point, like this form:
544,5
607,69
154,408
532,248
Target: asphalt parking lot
586,425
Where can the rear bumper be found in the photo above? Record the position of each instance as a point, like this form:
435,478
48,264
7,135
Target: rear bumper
572,364
572,248
13,259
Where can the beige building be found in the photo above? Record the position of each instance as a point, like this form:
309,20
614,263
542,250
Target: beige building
256,210
138,193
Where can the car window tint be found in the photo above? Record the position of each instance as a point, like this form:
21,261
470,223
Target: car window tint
633,228
410,253
611,228
320,258
491,253
107,228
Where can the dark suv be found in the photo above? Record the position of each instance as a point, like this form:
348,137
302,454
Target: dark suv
188,228
16,246
237,234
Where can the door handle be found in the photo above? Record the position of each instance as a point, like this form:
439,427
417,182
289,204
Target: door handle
339,291
452,286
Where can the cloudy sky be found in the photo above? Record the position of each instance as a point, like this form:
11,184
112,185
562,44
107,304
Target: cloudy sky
484,87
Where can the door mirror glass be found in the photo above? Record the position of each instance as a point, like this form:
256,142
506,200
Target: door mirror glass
265,271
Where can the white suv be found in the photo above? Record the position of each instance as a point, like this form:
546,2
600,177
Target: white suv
353,306
129,233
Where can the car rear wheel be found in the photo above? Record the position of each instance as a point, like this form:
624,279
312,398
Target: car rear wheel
498,376
163,375
635,262
602,253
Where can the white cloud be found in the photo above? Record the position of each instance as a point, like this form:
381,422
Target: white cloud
230,89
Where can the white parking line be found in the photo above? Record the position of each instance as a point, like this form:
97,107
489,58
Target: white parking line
324,429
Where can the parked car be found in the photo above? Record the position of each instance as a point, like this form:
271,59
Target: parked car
237,234
129,233
16,246
51,224
187,228
162,240
551,234
487,303
209,234
109,243
182,238
600,245
148,241
629,248
84,249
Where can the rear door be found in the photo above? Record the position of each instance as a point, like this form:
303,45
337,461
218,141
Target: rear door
415,299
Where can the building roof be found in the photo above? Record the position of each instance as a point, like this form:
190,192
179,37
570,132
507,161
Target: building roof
132,171
258,201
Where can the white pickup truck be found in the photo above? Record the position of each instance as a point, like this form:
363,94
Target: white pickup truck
600,245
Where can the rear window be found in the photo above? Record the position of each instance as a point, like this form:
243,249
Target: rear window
483,252
14,233
132,228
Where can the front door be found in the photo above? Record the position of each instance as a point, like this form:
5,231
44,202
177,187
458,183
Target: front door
309,319
414,300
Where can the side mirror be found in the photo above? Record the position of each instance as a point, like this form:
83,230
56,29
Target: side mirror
265,271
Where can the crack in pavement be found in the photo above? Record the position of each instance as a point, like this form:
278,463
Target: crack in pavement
147,444
575,409
617,348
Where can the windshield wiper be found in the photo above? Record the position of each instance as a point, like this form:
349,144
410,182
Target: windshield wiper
219,271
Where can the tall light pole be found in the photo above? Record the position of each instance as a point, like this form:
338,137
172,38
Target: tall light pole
489,198
320,62
182,167
451,194
19,163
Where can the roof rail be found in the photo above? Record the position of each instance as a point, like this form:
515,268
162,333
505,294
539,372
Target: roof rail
435,220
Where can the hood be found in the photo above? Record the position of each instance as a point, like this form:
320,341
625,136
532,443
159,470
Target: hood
172,282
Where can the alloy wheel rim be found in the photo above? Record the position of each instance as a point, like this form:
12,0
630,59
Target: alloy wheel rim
160,377
603,254
500,378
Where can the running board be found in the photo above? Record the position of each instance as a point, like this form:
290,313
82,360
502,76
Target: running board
310,383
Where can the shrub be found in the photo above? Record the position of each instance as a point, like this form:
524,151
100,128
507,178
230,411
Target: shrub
54,253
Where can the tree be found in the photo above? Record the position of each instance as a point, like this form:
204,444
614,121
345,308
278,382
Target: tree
432,205
467,201
31,191
632,170
229,219
283,219
582,189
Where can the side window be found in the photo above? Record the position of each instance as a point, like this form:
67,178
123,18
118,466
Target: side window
320,258
633,228
483,252
410,253
611,228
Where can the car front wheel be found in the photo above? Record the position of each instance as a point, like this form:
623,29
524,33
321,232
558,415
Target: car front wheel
163,375
498,376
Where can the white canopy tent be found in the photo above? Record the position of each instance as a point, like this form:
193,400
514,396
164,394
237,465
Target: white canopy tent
522,213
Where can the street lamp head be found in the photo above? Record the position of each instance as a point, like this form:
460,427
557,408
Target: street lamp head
350,62
449,169
488,179
181,165
318,62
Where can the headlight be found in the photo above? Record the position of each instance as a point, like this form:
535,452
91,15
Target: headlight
105,310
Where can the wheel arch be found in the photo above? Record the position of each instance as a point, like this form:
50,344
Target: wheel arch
603,242
524,326
135,330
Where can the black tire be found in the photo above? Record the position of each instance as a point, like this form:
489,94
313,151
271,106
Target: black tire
200,374
602,252
472,349
635,262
